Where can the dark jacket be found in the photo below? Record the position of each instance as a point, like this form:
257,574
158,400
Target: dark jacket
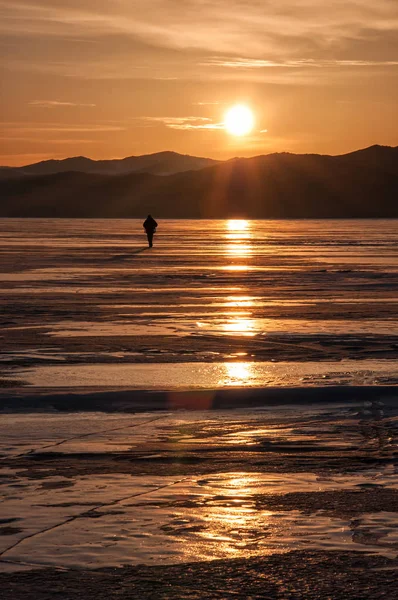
150,224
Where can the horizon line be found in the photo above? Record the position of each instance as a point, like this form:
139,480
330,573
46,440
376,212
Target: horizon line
5,166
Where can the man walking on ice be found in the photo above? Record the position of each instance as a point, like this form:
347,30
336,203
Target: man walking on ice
150,227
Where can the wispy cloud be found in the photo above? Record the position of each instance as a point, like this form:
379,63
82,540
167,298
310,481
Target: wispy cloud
206,103
184,123
36,128
256,63
202,24
58,103
56,134
209,126
336,31
46,141
188,123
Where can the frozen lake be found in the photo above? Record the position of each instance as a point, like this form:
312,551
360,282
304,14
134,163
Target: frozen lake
230,393
82,298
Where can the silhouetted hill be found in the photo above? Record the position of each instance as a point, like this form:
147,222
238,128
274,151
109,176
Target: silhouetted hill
380,157
359,184
161,163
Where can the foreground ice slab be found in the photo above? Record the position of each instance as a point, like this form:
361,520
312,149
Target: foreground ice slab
99,490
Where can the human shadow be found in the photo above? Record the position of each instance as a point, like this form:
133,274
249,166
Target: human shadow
125,256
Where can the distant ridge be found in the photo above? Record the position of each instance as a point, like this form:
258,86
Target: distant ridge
160,163
361,184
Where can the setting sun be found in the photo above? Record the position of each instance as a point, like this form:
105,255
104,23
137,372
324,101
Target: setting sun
239,120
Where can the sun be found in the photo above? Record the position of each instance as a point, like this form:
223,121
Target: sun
239,120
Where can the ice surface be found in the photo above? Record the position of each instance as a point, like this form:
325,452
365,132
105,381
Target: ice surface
215,304
89,292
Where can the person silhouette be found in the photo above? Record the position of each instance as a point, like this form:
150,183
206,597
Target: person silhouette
150,227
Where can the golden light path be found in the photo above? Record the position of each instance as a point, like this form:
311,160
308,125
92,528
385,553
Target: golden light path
238,323
240,249
238,320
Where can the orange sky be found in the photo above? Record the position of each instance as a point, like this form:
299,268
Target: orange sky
123,77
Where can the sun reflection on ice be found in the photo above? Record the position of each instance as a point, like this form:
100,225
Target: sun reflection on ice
238,374
239,249
238,224
239,301
240,326
236,268
238,236
235,524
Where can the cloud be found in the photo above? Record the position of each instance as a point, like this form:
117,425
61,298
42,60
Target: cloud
47,141
187,123
188,126
284,33
71,129
184,123
58,103
18,128
218,24
255,63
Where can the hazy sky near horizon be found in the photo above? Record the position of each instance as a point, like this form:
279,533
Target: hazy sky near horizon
108,79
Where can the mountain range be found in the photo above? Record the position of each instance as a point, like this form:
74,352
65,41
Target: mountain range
160,163
360,184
